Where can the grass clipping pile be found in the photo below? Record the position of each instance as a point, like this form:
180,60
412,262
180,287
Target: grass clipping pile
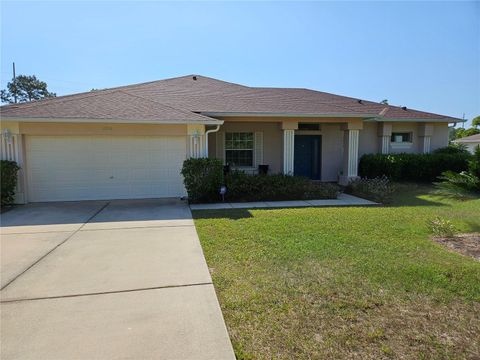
465,244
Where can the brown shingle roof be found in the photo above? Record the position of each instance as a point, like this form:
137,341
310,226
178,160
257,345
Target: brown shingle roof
471,138
182,97
107,105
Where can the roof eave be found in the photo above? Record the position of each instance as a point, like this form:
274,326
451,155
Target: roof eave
439,120
270,114
466,141
112,120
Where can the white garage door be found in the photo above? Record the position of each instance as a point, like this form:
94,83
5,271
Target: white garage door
63,168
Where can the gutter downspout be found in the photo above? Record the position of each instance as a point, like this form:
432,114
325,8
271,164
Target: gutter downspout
206,138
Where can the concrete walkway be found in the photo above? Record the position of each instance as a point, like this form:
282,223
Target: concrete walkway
342,200
107,280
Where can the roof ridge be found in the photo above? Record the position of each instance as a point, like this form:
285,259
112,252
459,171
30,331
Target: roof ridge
187,112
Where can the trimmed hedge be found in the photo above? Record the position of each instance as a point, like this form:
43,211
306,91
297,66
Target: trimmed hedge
412,167
243,187
202,178
8,178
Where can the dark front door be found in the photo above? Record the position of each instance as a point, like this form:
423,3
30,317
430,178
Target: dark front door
308,156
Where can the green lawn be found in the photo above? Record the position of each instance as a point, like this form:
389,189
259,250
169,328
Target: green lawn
345,283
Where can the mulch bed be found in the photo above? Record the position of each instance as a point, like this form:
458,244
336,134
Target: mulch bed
465,244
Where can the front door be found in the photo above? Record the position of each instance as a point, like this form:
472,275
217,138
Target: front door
308,156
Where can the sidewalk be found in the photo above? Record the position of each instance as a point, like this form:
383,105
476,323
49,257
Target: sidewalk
342,200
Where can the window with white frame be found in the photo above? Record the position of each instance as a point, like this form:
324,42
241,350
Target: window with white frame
401,137
239,149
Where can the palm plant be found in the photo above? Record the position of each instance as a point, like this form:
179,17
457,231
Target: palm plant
463,185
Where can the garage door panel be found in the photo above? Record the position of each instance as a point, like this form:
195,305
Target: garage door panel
104,167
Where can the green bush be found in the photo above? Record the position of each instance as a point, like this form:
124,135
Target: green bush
412,167
464,185
452,149
377,189
202,178
244,187
8,170
474,163
442,227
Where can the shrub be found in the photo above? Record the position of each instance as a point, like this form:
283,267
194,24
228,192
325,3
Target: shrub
202,178
452,149
463,185
442,227
474,163
412,167
8,170
244,187
378,189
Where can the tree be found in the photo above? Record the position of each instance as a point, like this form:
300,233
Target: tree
26,88
476,122
461,132
384,102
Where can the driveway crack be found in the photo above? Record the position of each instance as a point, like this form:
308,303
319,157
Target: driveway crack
106,292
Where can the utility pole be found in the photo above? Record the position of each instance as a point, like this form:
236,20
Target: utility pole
14,84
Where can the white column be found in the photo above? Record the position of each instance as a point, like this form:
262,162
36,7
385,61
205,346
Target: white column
195,140
350,156
11,148
385,134
385,144
426,144
425,133
195,146
288,151
352,152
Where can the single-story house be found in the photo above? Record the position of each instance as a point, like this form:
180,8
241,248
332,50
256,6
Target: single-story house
470,142
130,141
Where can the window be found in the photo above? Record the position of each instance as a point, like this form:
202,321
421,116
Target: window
308,126
239,149
401,137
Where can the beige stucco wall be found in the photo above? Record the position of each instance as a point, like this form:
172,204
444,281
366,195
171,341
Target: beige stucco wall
272,141
332,145
414,147
368,139
440,136
332,137
101,129
332,151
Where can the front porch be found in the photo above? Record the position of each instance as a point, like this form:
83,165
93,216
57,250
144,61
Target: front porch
325,151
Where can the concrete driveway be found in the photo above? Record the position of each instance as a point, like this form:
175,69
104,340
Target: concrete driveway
107,280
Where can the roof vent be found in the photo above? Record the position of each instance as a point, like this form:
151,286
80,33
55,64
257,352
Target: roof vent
404,108
360,101
194,77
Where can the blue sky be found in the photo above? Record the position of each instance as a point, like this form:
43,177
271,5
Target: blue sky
424,55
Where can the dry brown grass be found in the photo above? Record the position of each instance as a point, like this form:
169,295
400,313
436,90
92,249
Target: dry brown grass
465,244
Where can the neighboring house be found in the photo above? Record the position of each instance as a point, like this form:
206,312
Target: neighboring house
130,142
470,142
